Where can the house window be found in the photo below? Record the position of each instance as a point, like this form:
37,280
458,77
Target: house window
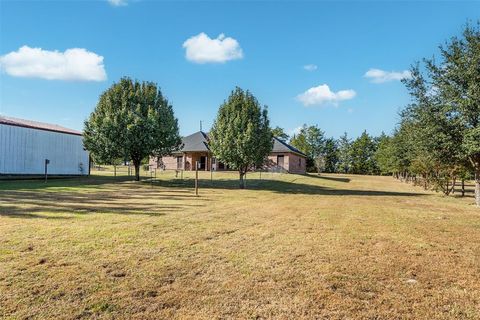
180,162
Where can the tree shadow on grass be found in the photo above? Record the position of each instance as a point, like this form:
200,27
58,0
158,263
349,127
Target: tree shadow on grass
124,199
89,182
152,198
13,212
279,186
336,179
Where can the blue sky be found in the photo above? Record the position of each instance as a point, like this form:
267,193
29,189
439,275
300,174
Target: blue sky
265,49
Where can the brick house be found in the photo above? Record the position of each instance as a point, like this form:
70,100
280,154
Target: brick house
282,158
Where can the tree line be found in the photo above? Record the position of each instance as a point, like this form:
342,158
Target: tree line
437,141
343,155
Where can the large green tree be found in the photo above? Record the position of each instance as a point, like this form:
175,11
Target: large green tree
439,134
456,78
435,135
132,120
241,136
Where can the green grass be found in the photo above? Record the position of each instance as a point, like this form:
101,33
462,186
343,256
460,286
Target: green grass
336,247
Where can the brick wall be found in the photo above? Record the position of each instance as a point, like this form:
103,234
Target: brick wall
297,164
292,163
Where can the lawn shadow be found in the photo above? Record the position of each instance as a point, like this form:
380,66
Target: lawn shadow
279,186
152,198
13,212
119,198
90,182
336,179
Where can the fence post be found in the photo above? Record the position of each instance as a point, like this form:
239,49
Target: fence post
196,178
46,170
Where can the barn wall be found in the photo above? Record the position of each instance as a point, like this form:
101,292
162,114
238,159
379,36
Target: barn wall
292,163
297,164
24,150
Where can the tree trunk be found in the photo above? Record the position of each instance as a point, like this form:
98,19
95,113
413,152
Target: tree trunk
477,186
242,180
136,164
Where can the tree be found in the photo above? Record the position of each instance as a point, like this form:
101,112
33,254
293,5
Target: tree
320,163
362,152
241,136
457,79
384,156
330,154
439,135
311,141
344,154
280,134
132,120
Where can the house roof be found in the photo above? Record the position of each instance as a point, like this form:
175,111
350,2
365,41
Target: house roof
36,125
195,142
281,146
198,142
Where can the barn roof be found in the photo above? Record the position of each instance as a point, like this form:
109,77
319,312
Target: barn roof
281,146
198,142
36,125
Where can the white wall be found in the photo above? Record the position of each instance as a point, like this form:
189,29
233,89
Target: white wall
24,150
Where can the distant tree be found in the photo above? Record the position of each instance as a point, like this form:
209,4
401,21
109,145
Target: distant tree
320,163
241,136
344,154
132,120
384,155
280,134
330,153
362,151
311,141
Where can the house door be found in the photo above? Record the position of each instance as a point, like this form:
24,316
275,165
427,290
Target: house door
280,161
203,163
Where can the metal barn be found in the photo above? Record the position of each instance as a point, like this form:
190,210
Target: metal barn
26,145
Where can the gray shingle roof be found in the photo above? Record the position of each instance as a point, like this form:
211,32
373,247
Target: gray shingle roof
198,142
281,146
195,142
37,125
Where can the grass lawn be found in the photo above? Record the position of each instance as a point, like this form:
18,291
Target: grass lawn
333,247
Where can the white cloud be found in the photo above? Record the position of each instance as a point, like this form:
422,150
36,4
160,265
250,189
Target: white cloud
294,131
310,67
381,76
322,94
73,64
117,3
202,49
